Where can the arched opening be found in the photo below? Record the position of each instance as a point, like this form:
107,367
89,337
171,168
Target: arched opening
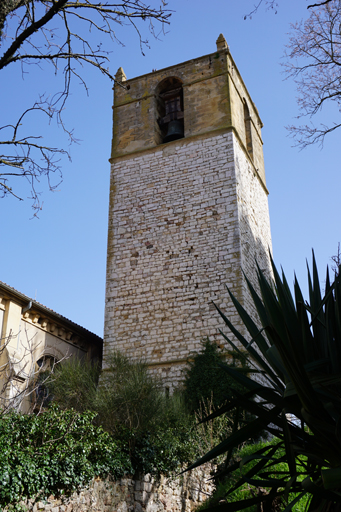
170,110
41,395
248,135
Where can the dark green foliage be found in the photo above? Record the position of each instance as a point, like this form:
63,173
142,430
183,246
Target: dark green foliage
298,352
56,450
74,384
205,380
243,462
207,387
60,449
166,450
130,404
129,396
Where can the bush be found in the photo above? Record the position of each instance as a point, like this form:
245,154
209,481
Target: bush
130,403
205,381
156,430
244,462
212,431
166,450
129,396
207,385
56,450
297,347
74,384
62,449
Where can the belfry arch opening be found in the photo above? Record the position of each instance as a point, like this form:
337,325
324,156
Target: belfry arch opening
170,110
248,134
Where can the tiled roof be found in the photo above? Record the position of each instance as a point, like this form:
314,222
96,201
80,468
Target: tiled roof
36,304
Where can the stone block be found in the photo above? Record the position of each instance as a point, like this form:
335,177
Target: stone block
138,507
147,486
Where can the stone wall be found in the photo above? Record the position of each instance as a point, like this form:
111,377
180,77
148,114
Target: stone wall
214,95
254,223
173,245
144,494
184,221
206,105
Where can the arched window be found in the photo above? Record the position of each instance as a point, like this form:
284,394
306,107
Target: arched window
170,110
248,135
41,395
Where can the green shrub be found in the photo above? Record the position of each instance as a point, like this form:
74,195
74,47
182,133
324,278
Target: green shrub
297,348
207,387
205,381
165,451
53,452
74,384
244,462
212,431
129,396
130,403
157,430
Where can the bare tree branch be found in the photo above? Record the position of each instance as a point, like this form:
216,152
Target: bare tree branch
313,60
273,4
30,30
67,35
318,4
22,380
30,159
269,4
336,261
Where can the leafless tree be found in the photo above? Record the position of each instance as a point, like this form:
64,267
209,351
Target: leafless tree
314,62
66,34
268,4
23,381
273,5
336,260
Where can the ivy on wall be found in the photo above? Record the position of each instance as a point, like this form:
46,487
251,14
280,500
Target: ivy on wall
56,450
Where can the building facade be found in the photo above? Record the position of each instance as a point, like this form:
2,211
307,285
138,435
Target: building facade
188,209
33,339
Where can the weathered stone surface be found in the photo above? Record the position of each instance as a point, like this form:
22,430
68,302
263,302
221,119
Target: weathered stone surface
174,246
186,218
180,494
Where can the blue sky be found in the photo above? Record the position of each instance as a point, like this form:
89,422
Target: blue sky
60,258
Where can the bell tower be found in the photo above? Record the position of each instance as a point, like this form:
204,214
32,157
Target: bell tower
188,209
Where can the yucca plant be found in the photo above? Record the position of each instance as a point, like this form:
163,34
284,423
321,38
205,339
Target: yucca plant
296,358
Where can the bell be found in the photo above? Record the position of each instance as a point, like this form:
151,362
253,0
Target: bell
175,131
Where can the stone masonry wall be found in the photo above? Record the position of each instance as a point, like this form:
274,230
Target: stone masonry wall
238,95
143,494
206,104
175,240
253,213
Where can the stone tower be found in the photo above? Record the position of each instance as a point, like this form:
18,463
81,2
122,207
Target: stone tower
188,208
